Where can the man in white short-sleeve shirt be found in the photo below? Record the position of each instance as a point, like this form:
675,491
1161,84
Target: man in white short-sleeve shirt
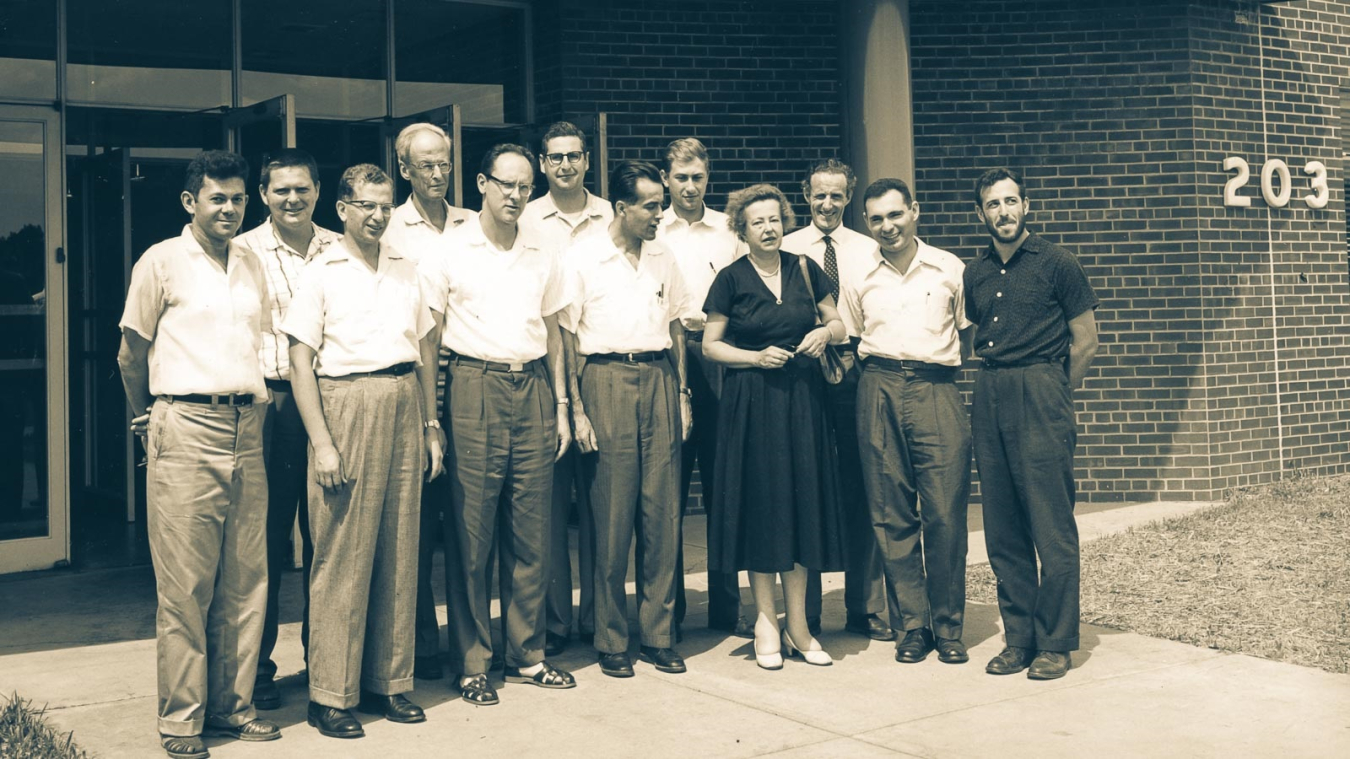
421,224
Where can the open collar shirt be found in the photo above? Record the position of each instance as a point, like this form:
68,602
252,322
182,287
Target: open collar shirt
355,319
851,250
495,301
701,249
414,236
912,315
204,323
557,230
282,265
617,308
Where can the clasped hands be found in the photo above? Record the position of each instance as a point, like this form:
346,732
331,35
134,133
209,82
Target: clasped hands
813,345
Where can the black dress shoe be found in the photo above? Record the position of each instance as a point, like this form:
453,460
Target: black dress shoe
395,708
952,651
1010,661
554,644
664,659
266,695
1050,665
812,624
915,647
334,723
616,665
428,668
869,625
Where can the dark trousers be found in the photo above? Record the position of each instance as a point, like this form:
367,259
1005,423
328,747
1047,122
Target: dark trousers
864,588
284,449
914,437
558,603
435,527
1024,431
634,471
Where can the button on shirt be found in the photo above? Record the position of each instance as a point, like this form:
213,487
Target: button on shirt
281,265
558,230
912,315
701,249
852,252
204,323
355,319
1022,308
495,301
414,236
616,308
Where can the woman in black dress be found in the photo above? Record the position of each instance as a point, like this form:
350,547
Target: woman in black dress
776,504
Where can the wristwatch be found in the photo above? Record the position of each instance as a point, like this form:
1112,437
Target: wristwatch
686,391
434,424
564,401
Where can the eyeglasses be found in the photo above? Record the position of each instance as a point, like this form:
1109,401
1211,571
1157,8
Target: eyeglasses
509,188
556,159
427,167
370,206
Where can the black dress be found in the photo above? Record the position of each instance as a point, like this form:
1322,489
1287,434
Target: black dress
776,501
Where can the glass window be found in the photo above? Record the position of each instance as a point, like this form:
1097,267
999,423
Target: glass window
465,53
28,39
334,62
150,53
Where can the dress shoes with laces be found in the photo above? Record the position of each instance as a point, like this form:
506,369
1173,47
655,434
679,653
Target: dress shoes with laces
395,708
664,659
333,722
1050,665
616,665
915,646
255,730
1010,661
869,625
554,644
952,651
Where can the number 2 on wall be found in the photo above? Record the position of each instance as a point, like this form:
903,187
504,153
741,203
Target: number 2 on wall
1316,170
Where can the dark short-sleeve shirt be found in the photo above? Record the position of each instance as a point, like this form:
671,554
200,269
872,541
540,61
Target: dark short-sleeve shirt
1022,308
755,320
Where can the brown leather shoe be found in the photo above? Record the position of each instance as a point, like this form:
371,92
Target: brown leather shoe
1010,661
1050,665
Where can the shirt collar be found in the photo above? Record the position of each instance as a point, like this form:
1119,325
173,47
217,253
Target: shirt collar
322,239
711,219
1033,244
191,245
412,217
473,229
593,209
922,257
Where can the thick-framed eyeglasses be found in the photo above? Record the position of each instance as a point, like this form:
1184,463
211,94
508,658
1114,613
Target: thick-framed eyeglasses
427,167
509,188
556,159
370,206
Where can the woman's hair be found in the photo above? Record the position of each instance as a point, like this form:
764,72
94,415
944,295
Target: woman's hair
738,201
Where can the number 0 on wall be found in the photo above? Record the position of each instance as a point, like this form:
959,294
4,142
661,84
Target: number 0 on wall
1275,198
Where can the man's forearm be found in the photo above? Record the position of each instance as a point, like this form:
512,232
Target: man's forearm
426,375
305,391
681,357
575,362
134,364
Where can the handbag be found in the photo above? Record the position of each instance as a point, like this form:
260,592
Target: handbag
831,365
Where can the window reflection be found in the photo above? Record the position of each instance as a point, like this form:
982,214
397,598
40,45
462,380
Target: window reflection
28,42
469,54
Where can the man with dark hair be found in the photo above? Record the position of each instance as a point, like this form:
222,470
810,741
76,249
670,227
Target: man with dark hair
289,237
828,188
497,292
360,323
195,314
627,297
1036,334
908,303
563,215
422,221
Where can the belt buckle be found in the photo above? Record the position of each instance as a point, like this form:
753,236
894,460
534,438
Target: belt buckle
515,367
630,358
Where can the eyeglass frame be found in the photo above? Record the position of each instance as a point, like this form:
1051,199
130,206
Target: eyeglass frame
508,188
580,156
426,167
368,207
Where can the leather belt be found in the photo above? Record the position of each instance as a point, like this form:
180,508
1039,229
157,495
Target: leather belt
491,366
397,370
992,364
896,365
629,358
233,399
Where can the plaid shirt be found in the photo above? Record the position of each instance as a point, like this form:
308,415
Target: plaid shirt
282,267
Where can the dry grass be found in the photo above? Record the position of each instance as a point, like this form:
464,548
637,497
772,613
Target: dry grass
1265,574
25,735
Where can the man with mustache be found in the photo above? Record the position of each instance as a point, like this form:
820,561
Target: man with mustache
284,243
828,188
566,213
619,329
1036,334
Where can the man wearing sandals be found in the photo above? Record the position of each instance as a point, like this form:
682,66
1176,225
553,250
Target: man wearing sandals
191,332
497,291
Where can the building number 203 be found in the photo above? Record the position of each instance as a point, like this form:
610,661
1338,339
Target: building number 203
1276,193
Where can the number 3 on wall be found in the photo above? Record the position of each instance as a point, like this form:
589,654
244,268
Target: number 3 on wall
1275,199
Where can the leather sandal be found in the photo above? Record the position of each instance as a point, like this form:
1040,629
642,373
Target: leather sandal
183,746
478,691
548,677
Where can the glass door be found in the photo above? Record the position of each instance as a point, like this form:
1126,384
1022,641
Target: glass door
33,450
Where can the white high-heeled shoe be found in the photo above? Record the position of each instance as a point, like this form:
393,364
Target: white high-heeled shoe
819,657
768,660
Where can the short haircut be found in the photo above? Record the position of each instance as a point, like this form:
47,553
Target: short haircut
686,149
829,166
404,142
994,176
885,185
217,164
361,174
563,129
623,180
500,149
739,200
288,158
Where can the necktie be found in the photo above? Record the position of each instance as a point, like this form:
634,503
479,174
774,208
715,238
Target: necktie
832,267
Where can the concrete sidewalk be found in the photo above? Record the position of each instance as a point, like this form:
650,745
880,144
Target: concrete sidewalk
83,645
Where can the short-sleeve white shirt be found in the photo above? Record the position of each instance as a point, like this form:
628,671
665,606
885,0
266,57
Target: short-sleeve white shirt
701,249
557,230
850,248
204,323
495,301
616,308
413,236
355,319
912,315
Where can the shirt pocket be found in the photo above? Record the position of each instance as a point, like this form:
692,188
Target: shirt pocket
937,310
